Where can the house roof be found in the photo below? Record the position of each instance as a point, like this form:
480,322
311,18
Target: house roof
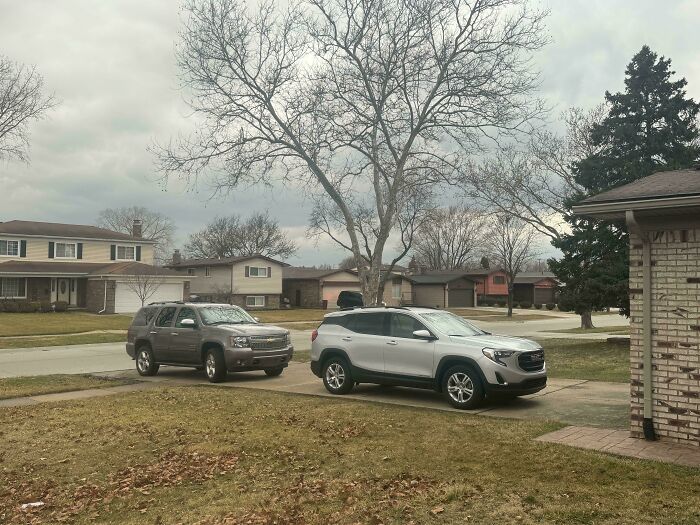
72,231
438,277
304,273
531,279
84,269
222,261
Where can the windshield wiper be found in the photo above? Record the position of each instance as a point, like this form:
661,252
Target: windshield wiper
225,322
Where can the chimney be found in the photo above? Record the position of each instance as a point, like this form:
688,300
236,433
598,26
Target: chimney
177,258
136,229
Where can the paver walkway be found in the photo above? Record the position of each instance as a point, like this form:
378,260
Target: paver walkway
620,443
74,394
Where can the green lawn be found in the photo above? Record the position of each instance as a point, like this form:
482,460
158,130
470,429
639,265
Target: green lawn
216,455
59,323
36,385
60,340
592,360
617,330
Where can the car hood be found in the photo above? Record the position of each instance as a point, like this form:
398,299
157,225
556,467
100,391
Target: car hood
499,341
253,329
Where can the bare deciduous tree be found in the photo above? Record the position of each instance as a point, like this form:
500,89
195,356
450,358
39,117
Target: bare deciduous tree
144,284
449,238
510,243
365,100
231,237
155,226
535,182
22,101
348,263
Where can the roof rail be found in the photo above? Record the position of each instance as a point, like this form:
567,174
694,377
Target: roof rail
166,302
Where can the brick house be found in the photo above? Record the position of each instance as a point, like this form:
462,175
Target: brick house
87,267
443,289
662,213
253,282
531,287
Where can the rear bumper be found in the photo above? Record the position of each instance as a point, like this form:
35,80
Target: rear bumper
316,368
131,350
523,388
242,359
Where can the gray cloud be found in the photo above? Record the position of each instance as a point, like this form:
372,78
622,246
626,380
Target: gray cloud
112,65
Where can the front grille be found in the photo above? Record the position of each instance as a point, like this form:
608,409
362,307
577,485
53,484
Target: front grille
534,383
531,361
268,342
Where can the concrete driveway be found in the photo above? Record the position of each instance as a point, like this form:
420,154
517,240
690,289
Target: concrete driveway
570,401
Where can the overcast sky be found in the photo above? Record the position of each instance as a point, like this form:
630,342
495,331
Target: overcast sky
111,63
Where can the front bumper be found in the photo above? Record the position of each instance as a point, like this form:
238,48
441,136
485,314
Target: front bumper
243,359
523,388
511,380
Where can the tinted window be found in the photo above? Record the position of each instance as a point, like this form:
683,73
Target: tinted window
338,320
401,325
185,313
372,324
144,316
165,317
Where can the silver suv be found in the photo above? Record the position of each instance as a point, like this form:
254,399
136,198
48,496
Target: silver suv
218,338
424,348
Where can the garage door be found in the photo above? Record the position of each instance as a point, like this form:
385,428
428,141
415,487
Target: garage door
544,295
331,292
457,298
127,301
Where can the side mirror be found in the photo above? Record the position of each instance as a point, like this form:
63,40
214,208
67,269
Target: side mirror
424,334
256,319
188,323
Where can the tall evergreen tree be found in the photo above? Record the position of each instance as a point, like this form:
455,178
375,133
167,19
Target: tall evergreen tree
650,127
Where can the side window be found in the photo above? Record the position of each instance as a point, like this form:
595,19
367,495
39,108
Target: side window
144,316
185,313
338,320
402,325
165,318
371,324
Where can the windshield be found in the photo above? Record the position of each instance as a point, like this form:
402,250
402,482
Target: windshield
451,324
224,315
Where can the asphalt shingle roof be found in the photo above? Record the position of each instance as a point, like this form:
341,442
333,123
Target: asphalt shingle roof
674,183
85,268
54,229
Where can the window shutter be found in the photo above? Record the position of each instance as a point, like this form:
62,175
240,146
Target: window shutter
113,252
269,271
79,250
22,248
51,245
247,271
138,253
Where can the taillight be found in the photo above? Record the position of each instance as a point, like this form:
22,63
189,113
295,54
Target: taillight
314,335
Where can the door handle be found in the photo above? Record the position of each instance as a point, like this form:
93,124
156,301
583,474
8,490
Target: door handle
347,338
174,333
392,343
153,332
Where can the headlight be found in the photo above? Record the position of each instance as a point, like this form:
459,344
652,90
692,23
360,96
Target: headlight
289,339
239,342
496,355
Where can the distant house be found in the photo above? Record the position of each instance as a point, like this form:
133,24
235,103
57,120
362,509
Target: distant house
253,281
312,287
87,267
443,289
531,287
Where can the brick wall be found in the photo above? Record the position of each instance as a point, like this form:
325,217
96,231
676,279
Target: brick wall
309,292
675,312
94,296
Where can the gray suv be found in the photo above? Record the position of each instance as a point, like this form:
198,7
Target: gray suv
217,338
424,348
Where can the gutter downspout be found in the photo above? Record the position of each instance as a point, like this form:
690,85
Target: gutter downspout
648,421
104,304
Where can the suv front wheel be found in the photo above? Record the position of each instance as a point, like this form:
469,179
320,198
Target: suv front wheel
462,387
336,376
214,365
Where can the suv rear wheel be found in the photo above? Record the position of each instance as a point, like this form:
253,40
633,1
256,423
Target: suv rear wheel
273,372
336,376
146,362
214,365
462,387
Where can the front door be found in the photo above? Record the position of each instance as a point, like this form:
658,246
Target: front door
404,354
185,340
63,290
161,334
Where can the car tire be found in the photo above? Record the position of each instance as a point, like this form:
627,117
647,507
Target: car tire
462,387
274,372
214,365
146,362
337,377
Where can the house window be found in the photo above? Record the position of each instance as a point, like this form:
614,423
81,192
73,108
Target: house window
258,271
9,248
13,287
126,253
65,250
190,271
207,273
396,289
255,301
499,279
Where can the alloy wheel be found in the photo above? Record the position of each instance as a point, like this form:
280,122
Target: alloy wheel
460,387
143,361
335,376
210,365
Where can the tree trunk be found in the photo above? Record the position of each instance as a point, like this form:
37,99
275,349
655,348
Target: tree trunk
369,282
510,300
586,320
